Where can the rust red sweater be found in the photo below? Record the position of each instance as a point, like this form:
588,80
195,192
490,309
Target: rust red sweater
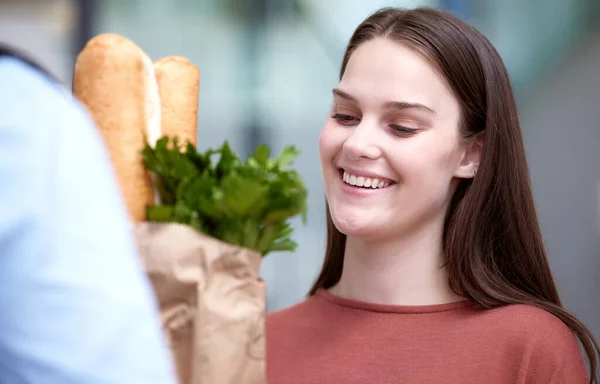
326,339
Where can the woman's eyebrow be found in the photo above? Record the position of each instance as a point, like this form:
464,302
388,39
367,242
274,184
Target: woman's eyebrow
390,104
405,105
338,92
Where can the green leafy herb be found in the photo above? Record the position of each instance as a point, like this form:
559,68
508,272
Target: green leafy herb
243,203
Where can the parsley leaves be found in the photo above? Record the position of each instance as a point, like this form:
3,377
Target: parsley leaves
243,203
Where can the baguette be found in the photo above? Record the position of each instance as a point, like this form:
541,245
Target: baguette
116,81
179,85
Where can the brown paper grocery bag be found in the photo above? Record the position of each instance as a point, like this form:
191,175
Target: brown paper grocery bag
212,303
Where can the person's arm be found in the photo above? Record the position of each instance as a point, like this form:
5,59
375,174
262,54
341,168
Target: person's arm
555,356
75,304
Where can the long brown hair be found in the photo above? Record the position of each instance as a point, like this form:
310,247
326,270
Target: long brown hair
493,245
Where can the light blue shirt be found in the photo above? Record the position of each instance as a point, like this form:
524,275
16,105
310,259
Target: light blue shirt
75,304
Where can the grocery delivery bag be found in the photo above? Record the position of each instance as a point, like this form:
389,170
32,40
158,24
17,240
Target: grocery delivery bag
212,303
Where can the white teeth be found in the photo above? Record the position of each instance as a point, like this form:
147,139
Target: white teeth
365,182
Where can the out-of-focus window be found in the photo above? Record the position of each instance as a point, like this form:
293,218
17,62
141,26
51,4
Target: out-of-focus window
42,28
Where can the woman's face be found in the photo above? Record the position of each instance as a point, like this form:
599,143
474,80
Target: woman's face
391,147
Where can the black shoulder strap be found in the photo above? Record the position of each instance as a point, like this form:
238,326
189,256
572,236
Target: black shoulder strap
8,51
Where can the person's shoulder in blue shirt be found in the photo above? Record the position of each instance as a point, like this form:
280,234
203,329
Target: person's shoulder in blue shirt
75,304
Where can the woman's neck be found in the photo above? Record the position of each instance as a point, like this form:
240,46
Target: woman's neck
405,271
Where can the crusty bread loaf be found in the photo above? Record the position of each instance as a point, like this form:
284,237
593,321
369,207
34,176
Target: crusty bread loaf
179,86
115,79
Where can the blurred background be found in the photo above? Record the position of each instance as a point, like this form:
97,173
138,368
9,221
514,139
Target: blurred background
268,67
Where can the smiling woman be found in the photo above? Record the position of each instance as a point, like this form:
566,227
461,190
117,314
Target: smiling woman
435,269
383,126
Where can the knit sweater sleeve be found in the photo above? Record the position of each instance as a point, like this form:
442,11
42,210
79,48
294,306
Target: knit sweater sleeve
555,356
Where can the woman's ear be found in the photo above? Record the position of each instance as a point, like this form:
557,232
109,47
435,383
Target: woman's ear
469,164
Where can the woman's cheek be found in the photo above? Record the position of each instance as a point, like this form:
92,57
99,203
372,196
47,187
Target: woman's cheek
329,139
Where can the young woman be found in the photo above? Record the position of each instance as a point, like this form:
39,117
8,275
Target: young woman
435,269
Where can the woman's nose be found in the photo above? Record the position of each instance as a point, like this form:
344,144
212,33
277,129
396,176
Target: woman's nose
363,142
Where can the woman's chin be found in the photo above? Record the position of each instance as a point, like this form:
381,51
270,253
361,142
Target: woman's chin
353,226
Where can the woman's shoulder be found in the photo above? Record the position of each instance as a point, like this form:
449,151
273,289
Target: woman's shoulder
540,337
528,322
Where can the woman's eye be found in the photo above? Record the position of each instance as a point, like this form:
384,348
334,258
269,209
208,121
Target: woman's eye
403,131
345,119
